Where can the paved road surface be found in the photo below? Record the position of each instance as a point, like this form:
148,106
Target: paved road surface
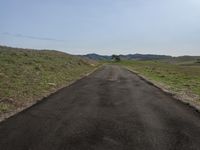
112,109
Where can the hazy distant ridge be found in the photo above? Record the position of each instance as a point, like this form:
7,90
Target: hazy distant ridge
128,57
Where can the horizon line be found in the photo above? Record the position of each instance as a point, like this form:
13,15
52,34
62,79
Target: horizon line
40,49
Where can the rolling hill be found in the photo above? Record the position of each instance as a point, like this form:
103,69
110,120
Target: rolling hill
27,75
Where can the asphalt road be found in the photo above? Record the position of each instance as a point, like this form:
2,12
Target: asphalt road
112,109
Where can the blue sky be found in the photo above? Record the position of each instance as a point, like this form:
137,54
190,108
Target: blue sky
103,26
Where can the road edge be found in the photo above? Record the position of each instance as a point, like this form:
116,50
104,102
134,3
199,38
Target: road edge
8,115
177,96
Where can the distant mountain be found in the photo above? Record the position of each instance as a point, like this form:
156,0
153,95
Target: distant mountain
97,56
128,57
144,57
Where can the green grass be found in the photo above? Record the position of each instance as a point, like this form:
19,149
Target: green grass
26,75
177,77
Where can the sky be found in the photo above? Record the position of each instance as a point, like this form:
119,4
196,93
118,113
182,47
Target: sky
170,27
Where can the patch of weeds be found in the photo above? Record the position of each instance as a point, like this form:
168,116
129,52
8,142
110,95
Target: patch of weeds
4,107
37,68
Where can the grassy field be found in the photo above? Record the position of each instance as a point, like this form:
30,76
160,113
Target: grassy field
28,75
179,77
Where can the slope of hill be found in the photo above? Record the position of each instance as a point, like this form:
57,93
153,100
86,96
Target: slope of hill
27,75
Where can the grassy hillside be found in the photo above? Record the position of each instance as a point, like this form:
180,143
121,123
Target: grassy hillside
178,77
27,75
184,60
